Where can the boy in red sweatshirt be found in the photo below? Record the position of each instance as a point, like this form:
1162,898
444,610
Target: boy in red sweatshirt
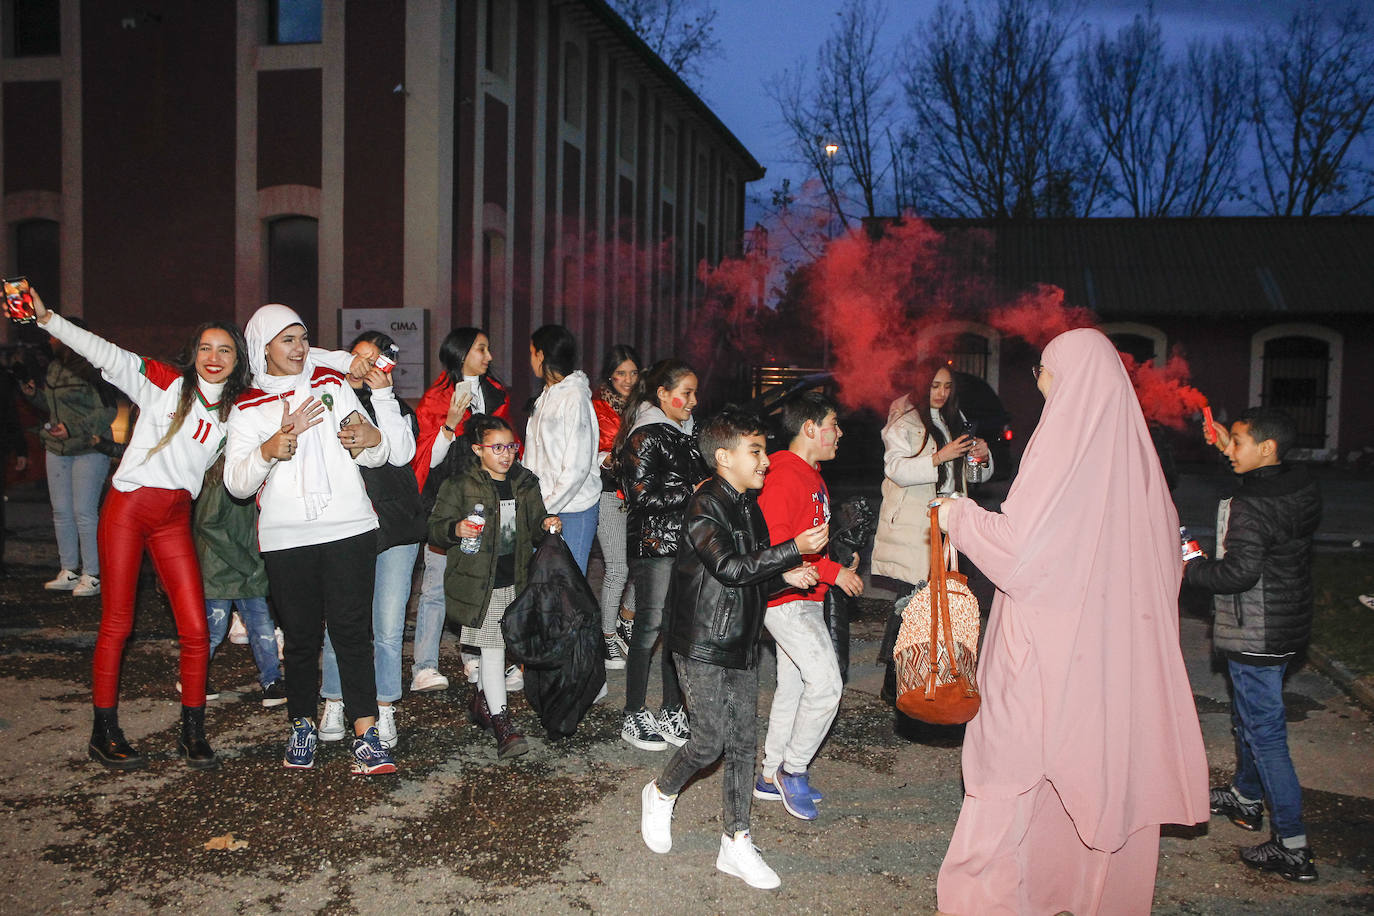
794,499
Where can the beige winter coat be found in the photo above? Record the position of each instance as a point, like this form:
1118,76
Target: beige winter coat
901,549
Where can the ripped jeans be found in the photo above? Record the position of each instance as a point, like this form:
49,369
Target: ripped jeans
262,633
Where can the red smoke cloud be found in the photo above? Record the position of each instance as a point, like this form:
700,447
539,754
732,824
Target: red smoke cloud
1165,395
1039,316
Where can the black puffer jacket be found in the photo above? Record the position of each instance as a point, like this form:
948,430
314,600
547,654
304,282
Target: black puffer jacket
1262,575
722,578
660,467
394,493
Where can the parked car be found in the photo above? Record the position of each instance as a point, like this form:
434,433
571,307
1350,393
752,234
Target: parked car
860,455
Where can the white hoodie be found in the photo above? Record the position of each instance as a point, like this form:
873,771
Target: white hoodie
560,446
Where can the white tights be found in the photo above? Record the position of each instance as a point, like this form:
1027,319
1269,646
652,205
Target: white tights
491,676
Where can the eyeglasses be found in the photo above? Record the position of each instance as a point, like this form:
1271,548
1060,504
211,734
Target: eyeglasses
1036,370
503,448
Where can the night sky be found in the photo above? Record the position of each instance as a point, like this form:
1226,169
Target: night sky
762,37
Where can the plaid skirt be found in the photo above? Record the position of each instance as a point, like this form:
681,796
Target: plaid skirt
488,635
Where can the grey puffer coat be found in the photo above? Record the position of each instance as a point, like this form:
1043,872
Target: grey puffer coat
1262,574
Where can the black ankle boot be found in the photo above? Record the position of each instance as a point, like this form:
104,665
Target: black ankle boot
192,744
478,713
108,745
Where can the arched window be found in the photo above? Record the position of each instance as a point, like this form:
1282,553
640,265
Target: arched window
1142,342
35,253
293,267
974,348
1297,368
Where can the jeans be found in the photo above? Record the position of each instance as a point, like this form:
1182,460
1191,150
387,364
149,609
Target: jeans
809,686
1263,767
262,632
724,704
429,612
74,485
390,594
579,530
610,533
319,585
651,576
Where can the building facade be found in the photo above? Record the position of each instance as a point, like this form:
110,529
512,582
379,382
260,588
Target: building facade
500,163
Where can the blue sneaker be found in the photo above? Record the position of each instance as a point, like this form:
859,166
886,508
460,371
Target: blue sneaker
766,791
370,756
795,792
300,747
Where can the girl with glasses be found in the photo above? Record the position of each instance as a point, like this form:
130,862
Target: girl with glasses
478,587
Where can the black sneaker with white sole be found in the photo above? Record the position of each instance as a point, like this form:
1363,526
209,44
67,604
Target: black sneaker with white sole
672,725
1245,815
641,730
614,660
274,694
1293,864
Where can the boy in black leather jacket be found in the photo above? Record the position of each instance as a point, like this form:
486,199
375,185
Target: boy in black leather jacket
1262,582
718,594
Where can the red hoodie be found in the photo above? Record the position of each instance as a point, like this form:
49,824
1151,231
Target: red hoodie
793,499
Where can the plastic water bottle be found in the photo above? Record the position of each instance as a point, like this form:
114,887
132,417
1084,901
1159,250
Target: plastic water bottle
1191,548
478,520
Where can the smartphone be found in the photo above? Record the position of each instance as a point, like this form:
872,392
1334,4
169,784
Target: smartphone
462,388
386,359
19,300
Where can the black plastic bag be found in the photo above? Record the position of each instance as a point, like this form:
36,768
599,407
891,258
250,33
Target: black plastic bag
553,628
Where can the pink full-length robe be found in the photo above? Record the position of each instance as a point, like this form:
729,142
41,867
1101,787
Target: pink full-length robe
1083,682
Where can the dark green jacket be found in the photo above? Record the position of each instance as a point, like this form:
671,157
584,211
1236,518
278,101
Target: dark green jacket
226,535
469,578
71,396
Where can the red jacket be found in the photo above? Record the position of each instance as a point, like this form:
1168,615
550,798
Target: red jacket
433,410
794,498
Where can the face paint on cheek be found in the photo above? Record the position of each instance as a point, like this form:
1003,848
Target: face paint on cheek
828,437
679,403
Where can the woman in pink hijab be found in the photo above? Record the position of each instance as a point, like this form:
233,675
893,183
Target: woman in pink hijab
1087,739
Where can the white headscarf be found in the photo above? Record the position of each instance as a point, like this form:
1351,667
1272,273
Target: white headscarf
307,469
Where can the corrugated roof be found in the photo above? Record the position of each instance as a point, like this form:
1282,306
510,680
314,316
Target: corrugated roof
1221,265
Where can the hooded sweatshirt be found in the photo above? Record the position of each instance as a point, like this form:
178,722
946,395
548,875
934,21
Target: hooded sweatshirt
318,496
560,446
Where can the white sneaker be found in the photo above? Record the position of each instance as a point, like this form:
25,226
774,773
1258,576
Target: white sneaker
739,857
332,722
238,633
386,725
281,645
471,665
656,818
427,679
515,678
86,586
66,581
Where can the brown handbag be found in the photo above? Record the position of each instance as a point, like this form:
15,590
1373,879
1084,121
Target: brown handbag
936,654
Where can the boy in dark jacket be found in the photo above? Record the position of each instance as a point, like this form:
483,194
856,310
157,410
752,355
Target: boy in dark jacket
1262,581
718,596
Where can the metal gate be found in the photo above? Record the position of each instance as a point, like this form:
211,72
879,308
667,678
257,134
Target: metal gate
1295,380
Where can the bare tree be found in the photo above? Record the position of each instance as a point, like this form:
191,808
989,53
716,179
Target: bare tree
841,126
681,32
985,84
1311,100
1167,131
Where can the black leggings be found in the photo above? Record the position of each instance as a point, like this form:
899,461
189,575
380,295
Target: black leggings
326,584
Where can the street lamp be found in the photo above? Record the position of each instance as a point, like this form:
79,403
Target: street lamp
831,148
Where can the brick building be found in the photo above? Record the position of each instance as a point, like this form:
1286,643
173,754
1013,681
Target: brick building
503,163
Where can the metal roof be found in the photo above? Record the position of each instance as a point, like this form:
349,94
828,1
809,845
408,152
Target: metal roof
1124,267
